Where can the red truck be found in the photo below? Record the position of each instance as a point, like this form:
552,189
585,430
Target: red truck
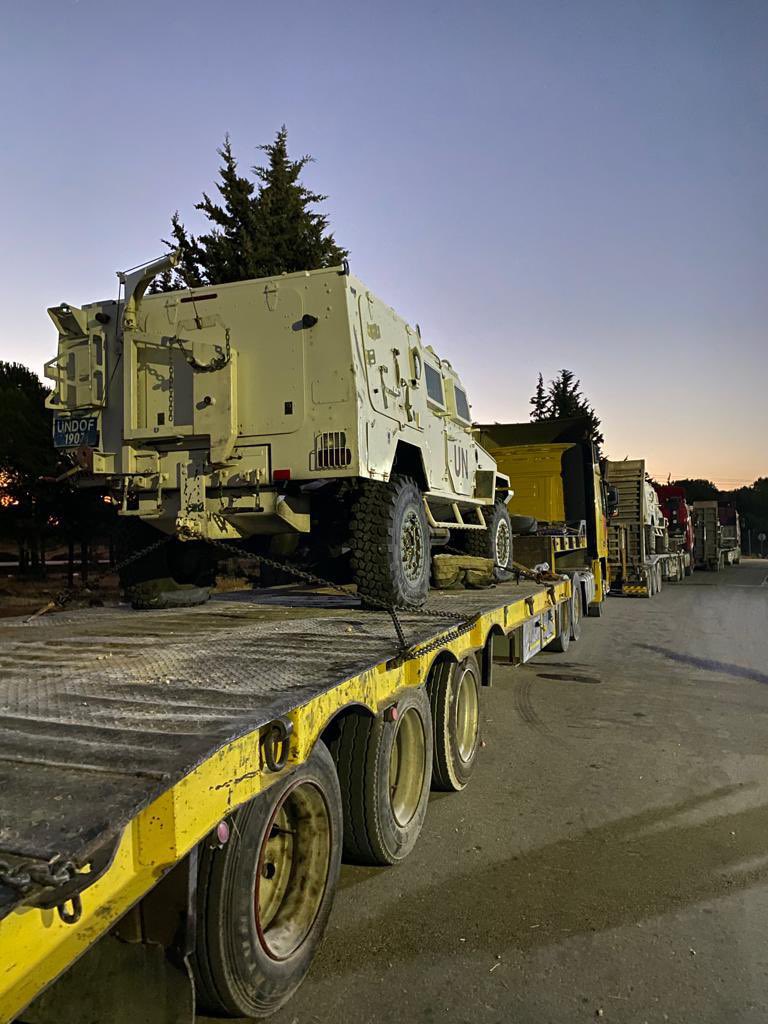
679,516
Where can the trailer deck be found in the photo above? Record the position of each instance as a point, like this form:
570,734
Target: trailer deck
126,736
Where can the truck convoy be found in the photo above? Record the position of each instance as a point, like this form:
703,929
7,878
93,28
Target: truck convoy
640,553
561,504
296,414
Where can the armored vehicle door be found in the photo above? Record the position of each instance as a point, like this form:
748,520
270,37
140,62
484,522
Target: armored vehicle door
181,375
386,346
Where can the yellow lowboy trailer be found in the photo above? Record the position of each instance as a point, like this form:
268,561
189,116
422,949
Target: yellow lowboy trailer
177,788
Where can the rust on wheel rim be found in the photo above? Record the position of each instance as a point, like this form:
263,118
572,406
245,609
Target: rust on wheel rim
292,870
407,766
467,722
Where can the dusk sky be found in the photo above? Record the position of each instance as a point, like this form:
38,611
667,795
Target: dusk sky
538,184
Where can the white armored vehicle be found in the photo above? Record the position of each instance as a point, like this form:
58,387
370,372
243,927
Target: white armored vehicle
298,414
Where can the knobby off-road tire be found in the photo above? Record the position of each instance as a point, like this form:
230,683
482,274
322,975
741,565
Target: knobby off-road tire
390,543
385,767
454,697
495,541
265,896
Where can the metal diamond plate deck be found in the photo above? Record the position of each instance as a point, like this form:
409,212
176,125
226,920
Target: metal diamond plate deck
101,710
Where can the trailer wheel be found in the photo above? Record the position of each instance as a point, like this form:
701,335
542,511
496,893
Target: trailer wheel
454,696
561,642
576,611
688,570
384,767
390,543
494,542
265,896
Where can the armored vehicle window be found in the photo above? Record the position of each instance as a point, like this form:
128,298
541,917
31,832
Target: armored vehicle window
434,384
462,405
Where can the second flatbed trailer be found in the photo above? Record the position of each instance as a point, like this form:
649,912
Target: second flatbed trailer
177,787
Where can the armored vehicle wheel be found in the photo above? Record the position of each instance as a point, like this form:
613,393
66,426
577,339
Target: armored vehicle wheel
495,541
385,768
454,696
390,543
264,896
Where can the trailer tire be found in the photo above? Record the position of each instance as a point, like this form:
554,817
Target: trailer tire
562,641
454,697
576,611
384,766
494,542
390,543
256,937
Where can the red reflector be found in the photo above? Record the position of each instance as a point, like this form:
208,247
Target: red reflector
281,474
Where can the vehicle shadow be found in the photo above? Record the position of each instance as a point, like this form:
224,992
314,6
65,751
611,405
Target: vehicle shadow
738,671
623,872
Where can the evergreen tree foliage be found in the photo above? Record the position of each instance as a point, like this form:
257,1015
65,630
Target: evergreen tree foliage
258,227
26,452
539,402
36,509
562,399
698,489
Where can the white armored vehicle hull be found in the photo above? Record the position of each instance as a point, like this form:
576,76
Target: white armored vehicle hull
258,409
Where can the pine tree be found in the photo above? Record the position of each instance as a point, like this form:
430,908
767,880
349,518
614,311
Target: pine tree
562,399
296,238
539,402
257,228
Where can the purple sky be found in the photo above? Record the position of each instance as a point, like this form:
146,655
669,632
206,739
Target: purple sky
538,184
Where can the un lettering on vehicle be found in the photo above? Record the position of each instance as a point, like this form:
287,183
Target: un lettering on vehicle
461,461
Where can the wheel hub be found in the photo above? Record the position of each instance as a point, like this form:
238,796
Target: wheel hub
502,543
407,765
292,870
412,547
467,715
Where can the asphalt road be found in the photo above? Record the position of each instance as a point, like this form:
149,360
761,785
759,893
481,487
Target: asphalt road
609,859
